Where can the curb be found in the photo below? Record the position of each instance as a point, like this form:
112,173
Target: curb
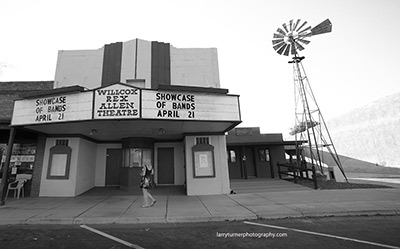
171,220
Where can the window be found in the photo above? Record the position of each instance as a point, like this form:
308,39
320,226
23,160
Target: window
136,157
263,155
140,83
202,140
62,142
232,156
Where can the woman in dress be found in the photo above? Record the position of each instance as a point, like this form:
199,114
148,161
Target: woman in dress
146,184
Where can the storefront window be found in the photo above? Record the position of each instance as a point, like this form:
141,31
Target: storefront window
264,155
232,156
137,157
23,156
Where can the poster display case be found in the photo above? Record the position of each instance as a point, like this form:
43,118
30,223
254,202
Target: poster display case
203,161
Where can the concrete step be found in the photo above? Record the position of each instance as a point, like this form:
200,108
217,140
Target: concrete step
246,186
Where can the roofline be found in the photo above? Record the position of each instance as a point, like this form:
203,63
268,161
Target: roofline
192,89
261,143
68,89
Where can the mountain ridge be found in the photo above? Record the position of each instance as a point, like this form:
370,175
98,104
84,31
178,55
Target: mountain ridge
370,133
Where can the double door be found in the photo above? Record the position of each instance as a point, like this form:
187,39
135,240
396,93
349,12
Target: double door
246,162
241,163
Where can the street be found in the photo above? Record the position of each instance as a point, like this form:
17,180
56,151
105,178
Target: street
329,232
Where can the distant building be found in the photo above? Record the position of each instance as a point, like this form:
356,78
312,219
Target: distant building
255,155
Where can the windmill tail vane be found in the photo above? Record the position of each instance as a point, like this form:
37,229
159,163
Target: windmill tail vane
292,36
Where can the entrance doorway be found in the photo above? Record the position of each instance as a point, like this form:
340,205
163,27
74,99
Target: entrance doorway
242,163
248,162
234,163
113,165
165,162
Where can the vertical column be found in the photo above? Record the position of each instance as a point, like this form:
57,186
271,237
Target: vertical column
160,64
112,61
4,180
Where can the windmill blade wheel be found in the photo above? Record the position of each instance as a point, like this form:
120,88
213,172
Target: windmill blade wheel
290,37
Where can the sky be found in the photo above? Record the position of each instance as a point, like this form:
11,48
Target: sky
355,64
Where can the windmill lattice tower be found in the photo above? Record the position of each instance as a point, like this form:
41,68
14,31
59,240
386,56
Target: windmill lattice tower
313,140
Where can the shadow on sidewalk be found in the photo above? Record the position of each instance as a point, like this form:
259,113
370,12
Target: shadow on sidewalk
116,191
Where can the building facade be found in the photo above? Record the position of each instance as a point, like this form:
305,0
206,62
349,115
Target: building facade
252,154
127,104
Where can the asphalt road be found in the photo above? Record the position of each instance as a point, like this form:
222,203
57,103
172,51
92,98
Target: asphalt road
330,232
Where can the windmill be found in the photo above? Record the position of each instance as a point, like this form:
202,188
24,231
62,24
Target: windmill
310,125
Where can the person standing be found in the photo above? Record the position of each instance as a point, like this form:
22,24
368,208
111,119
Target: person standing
146,184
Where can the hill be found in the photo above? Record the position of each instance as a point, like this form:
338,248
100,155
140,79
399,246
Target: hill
370,133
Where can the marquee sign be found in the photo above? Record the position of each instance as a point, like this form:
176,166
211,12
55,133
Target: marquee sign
53,109
120,101
189,106
117,101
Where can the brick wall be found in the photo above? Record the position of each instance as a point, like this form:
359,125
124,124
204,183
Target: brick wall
10,91
25,85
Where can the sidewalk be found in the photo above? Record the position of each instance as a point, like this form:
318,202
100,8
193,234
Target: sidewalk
178,208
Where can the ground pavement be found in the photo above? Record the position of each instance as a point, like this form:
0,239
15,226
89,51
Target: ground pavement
292,202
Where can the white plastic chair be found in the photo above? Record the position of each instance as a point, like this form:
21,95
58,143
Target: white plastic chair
18,185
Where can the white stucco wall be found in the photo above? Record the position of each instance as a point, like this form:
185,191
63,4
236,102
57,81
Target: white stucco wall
194,67
128,60
144,62
79,67
86,168
59,187
179,164
101,157
208,186
140,62
189,66
82,174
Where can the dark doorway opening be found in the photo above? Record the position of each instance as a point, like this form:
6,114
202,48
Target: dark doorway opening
165,160
113,165
248,162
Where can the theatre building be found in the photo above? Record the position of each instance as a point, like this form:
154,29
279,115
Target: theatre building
112,110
